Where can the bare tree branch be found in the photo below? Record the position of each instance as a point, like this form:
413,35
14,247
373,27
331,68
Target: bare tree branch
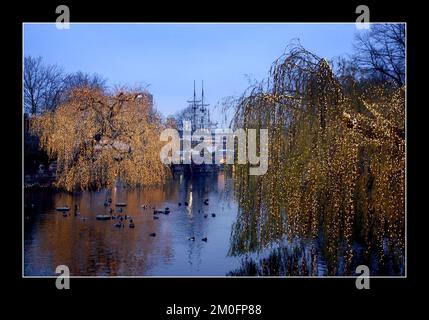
381,52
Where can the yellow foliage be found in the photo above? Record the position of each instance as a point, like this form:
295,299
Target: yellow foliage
98,138
333,171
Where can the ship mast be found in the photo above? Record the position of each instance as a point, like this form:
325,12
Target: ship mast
194,105
203,109
200,114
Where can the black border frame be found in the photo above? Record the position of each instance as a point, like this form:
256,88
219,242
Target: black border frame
153,295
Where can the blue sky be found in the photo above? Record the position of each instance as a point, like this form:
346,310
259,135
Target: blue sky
168,57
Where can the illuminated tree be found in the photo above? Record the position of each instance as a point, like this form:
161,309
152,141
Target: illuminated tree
98,139
336,163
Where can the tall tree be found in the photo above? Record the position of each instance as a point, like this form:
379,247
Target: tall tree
81,79
335,171
98,138
381,51
42,85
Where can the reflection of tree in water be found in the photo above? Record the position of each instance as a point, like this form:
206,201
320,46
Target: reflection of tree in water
280,262
307,259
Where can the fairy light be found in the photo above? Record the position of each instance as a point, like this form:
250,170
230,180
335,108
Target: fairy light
337,168
98,138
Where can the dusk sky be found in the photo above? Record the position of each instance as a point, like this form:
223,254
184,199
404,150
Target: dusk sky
169,57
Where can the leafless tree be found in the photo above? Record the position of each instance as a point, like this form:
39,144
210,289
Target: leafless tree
46,86
184,114
54,85
381,51
81,79
42,85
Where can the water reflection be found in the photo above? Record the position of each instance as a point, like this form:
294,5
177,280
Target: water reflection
306,258
91,247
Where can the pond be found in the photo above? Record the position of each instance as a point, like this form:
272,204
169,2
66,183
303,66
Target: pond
98,248
200,207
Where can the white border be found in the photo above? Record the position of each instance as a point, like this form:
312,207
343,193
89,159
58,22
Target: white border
223,277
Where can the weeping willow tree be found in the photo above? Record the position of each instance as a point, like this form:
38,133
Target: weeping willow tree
98,139
336,165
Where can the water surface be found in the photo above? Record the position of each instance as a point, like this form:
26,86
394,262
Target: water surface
98,248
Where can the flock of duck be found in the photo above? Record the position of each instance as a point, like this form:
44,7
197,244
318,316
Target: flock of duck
121,219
